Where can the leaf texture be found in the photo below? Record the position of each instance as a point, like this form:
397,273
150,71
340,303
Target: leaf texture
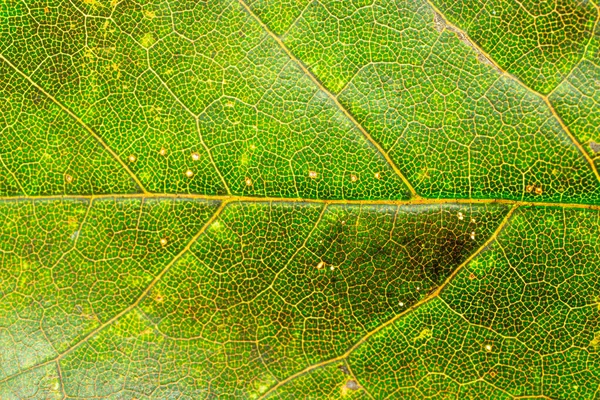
255,199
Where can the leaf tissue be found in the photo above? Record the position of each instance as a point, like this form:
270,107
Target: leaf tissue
299,199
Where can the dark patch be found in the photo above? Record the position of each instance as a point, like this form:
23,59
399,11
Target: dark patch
344,369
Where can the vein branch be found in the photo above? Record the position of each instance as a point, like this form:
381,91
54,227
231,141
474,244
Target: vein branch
139,299
78,120
333,98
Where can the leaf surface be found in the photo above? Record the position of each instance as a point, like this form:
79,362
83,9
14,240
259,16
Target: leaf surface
296,199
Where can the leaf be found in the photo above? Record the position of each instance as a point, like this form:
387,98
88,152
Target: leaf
297,199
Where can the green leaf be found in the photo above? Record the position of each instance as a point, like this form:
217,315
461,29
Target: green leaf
299,199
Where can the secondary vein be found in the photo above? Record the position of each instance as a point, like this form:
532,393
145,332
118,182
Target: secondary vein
78,120
333,98
389,322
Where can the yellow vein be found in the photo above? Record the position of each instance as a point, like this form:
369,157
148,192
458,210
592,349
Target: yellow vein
332,97
389,322
369,395
141,297
565,128
249,199
79,121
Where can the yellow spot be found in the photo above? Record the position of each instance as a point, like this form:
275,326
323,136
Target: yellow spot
245,159
68,178
529,189
162,151
488,347
595,343
147,40
377,175
92,3
149,14
473,235
538,190
461,216
353,178
163,242
248,181
195,156
401,304
320,265
132,158
425,333
332,268
189,173
312,174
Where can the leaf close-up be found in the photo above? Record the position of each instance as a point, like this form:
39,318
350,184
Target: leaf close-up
299,199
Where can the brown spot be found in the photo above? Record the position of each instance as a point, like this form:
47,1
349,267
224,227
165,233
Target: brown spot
472,276
538,190
68,178
492,373
344,369
529,189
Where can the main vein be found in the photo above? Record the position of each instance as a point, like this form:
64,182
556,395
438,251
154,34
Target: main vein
333,98
78,120
266,199
389,322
